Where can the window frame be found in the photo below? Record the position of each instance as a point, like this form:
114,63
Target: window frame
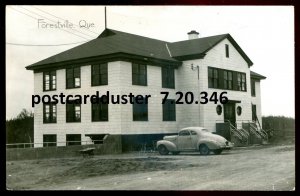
238,80
45,143
51,80
253,88
51,113
73,143
72,116
98,109
73,78
138,109
169,110
101,74
168,77
227,50
214,78
137,75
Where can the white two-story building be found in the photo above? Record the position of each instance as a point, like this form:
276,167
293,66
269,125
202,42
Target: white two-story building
124,63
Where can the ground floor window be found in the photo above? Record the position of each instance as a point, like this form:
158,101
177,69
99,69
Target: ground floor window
73,139
49,140
169,110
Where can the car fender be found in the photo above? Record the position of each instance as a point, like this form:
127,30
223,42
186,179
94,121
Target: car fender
169,145
212,145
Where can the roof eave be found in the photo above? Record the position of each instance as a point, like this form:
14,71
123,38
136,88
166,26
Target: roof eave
110,57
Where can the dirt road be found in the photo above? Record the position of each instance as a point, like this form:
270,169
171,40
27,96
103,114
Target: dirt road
252,168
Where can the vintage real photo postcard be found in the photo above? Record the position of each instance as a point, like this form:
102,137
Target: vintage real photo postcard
150,98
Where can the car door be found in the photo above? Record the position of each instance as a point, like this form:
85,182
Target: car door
195,138
184,140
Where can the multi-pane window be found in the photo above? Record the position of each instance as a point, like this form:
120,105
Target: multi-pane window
73,112
167,77
213,75
99,112
140,109
227,50
73,139
73,77
241,81
49,83
139,74
99,74
49,140
169,110
227,80
49,113
253,88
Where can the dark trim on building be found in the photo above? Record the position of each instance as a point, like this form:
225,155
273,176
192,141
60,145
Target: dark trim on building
102,59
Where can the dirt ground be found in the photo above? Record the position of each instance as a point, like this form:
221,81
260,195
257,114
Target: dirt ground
253,168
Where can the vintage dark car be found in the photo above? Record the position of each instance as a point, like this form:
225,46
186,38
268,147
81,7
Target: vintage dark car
193,139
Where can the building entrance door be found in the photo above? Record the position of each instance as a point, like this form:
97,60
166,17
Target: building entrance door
229,113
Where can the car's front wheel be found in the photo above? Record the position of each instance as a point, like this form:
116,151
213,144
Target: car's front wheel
163,150
204,150
218,151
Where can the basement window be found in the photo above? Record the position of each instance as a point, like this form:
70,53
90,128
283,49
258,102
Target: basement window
49,140
73,139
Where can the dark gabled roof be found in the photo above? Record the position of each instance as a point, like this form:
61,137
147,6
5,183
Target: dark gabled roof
185,50
194,46
112,44
257,76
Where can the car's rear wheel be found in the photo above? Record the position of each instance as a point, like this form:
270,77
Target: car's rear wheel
175,152
204,150
163,150
218,151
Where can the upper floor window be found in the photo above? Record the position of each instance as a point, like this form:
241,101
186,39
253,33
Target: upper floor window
49,113
241,81
169,110
73,111
167,77
227,50
139,74
213,78
99,74
49,81
227,80
253,88
140,109
73,77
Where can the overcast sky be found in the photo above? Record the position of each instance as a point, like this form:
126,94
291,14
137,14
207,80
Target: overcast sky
265,33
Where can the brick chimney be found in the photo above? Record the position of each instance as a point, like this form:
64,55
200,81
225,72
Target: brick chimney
193,34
